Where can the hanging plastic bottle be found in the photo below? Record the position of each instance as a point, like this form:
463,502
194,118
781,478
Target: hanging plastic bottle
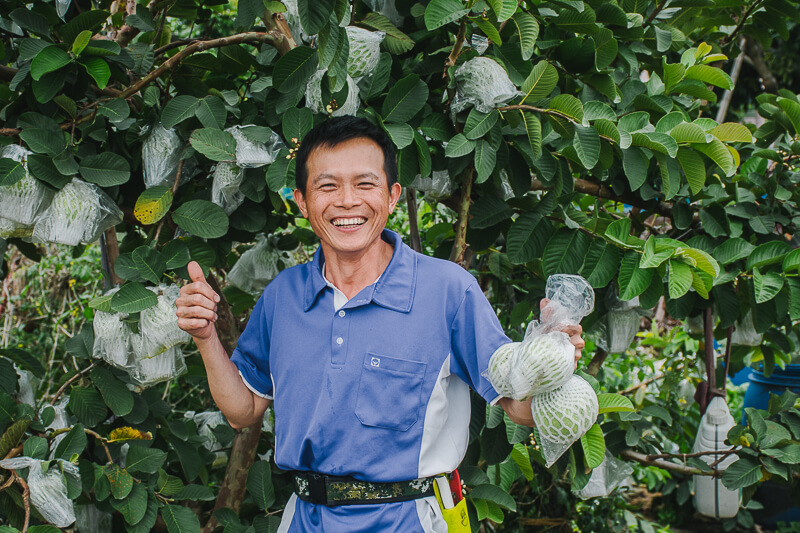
711,498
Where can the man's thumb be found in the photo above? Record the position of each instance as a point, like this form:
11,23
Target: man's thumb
195,272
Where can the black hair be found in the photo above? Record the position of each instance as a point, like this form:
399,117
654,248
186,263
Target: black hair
338,130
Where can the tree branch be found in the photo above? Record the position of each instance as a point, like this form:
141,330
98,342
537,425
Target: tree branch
728,95
655,13
411,202
667,465
460,246
728,38
755,53
597,362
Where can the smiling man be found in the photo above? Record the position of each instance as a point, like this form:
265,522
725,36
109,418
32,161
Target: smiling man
368,351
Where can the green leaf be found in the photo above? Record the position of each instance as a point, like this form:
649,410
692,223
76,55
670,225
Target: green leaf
533,129
485,159
632,280
602,261
565,252
459,146
14,433
259,484
401,134
153,204
175,254
731,132
577,21
742,473
528,30
294,68
673,75
768,253
24,360
720,154
693,168
11,172
423,155
478,124
149,264
656,142
120,481
710,75
396,41
296,122
115,110
88,20
98,69
792,110
791,261
702,260
80,42
215,144
88,405
106,169
441,12
314,14
405,99
116,395
767,285
494,494
202,218
281,173
132,298
196,493
686,132
733,250
540,82
619,231
44,141
567,105
74,442
211,112
145,460
49,59
594,446
635,164
178,109
522,459
612,403
587,145
35,447
680,278
488,211
527,237
437,127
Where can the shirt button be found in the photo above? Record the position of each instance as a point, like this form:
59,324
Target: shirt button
341,314
339,340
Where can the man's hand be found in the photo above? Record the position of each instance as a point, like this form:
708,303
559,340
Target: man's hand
197,305
574,333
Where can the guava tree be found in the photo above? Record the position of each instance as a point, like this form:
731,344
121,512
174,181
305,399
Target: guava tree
534,138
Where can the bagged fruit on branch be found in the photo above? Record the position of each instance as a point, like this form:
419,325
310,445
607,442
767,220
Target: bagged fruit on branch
252,153
545,359
48,491
226,181
481,82
479,43
79,214
365,51
158,325
258,266
744,332
161,153
150,371
90,519
23,202
563,416
436,186
206,422
334,108
605,478
624,318
60,421
292,15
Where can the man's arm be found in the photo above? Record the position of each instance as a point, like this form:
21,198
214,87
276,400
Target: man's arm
196,312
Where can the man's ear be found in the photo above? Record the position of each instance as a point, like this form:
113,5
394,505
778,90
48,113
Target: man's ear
394,195
300,200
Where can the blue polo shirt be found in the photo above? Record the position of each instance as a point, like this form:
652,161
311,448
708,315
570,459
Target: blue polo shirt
378,389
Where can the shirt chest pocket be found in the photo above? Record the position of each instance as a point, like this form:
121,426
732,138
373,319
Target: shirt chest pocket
389,392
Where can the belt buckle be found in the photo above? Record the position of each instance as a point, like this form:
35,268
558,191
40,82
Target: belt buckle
317,488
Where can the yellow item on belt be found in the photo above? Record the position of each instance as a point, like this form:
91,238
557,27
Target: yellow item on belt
457,517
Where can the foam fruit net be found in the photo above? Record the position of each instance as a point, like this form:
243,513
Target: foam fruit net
365,50
23,202
482,83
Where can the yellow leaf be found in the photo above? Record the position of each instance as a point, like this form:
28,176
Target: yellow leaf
128,433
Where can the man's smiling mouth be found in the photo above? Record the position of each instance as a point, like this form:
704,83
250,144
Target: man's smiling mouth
350,222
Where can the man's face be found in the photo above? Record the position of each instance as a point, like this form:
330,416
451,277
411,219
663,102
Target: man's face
347,200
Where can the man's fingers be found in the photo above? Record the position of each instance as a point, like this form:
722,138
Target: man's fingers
188,300
572,330
197,312
543,302
192,324
202,288
195,272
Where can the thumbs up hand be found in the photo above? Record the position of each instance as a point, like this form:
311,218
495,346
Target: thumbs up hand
197,305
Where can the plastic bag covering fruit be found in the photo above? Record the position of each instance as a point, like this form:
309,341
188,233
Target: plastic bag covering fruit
48,492
112,337
744,332
436,186
79,213
293,19
483,83
624,318
90,519
225,187
479,43
258,266
23,202
60,421
388,9
206,422
365,50
158,325
605,478
251,153
161,153
150,371
314,97
563,416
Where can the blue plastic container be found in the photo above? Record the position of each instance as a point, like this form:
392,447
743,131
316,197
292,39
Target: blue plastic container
776,499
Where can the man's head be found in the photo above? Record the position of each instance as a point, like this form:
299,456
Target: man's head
336,131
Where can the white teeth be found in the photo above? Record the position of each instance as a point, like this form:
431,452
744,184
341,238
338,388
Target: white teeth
349,221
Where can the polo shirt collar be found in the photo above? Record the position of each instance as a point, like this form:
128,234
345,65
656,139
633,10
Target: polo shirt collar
393,290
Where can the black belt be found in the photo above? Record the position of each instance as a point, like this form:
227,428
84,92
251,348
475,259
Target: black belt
331,491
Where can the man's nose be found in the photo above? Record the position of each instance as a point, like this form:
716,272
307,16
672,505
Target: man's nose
349,196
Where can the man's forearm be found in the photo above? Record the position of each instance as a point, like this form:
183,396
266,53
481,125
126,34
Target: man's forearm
233,398
518,412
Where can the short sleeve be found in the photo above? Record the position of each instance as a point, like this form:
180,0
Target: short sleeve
251,355
474,336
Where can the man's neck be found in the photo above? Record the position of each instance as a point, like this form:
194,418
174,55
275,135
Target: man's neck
351,273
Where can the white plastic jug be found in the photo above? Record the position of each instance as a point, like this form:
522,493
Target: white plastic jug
711,498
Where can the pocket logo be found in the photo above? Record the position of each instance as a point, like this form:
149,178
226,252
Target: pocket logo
375,361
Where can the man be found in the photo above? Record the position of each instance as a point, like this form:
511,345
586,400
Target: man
368,351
